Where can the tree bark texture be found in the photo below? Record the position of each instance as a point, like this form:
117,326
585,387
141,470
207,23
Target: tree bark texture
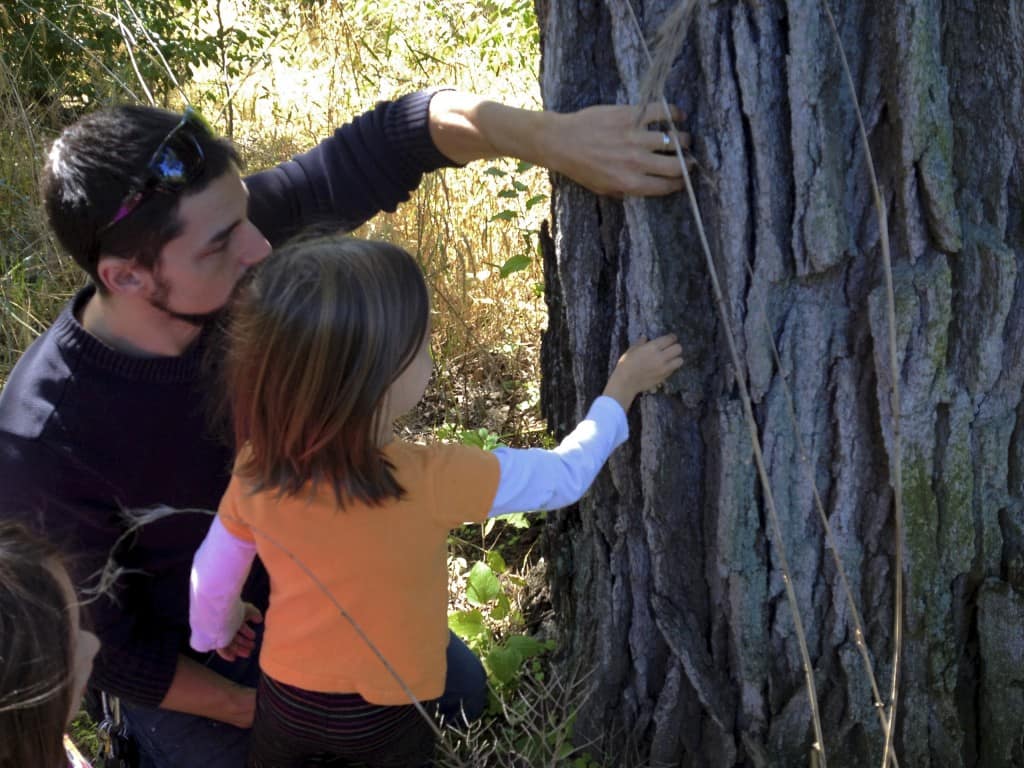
666,577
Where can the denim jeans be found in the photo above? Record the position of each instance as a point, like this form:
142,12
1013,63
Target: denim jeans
176,740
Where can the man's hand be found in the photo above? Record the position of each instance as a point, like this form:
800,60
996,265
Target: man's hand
244,640
642,367
201,691
608,149
608,152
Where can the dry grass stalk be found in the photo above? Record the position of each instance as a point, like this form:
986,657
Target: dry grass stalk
665,47
748,411
534,730
894,395
855,617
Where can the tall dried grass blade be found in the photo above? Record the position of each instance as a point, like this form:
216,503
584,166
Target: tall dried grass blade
748,411
894,397
667,43
855,617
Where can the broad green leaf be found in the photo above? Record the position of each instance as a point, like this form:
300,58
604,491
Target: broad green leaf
517,520
508,193
501,608
494,171
522,166
467,624
517,263
525,645
519,186
503,664
482,586
535,200
496,561
504,216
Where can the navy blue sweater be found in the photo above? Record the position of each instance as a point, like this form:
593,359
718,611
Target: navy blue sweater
87,432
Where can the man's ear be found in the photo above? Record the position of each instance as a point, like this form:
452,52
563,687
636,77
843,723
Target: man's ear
123,276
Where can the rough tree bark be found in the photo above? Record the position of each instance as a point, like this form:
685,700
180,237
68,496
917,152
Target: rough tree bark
665,578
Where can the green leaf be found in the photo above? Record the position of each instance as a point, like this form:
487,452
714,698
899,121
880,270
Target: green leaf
519,186
503,664
494,171
522,166
504,216
535,200
482,586
517,263
525,645
508,193
501,608
496,561
519,520
489,525
467,624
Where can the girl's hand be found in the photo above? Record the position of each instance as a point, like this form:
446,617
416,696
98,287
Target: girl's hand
245,638
643,366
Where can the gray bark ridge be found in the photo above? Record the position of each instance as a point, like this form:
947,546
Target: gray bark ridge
666,576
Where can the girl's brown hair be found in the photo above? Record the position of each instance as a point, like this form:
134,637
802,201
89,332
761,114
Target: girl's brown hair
314,343
35,652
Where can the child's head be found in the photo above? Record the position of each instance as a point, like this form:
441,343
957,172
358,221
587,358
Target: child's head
316,342
45,656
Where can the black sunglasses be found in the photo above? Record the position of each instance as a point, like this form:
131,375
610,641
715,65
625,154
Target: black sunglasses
175,164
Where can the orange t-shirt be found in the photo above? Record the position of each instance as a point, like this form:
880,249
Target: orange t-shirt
385,565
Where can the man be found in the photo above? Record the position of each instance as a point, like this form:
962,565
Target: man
109,409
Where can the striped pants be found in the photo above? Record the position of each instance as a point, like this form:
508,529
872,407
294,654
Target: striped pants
295,728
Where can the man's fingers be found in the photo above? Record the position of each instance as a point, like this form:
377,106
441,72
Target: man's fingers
655,112
646,186
661,140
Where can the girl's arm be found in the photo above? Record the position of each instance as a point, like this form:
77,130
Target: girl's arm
536,479
219,569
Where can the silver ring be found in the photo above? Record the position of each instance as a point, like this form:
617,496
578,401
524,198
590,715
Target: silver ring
666,140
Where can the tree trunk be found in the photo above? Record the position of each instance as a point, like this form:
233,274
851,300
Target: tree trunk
666,577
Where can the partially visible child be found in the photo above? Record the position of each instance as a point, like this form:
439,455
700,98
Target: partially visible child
45,655
329,345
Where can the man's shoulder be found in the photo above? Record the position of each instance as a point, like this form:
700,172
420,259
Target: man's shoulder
34,389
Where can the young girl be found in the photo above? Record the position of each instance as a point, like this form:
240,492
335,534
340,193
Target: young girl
327,347
45,655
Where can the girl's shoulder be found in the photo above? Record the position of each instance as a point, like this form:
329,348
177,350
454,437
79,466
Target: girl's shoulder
407,456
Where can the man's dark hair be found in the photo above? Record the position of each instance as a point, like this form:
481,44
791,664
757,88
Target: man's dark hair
97,162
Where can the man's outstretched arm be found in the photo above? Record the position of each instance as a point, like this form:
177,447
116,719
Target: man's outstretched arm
607,148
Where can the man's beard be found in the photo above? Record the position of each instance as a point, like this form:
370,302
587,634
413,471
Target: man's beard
198,319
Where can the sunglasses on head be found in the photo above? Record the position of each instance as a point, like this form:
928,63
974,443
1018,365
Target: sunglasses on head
175,164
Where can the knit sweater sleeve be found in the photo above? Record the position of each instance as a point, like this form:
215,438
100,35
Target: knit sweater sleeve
369,165
138,656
